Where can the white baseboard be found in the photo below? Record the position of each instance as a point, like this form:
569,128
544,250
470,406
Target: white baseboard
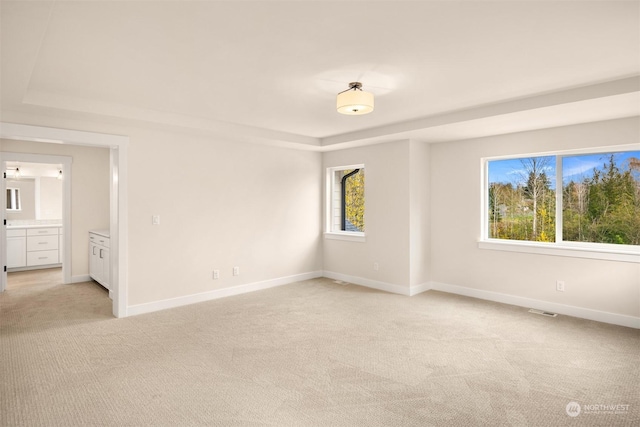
568,310
81,278
149,307
418,289
33,267
375,284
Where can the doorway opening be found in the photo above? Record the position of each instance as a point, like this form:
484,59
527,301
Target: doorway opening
36,189
118,225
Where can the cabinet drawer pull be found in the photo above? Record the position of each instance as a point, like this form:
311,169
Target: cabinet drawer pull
100,253
43,243
43,257
42,231
94,250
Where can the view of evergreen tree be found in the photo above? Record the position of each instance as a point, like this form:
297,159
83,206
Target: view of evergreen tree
600,198
604,206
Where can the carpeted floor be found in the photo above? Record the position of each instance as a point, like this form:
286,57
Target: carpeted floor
312,353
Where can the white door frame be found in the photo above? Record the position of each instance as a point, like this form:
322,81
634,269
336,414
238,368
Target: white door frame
118,222
65,161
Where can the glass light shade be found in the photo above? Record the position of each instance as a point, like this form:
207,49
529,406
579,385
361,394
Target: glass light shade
354,102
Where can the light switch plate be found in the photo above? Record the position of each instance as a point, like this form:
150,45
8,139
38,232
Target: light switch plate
155,220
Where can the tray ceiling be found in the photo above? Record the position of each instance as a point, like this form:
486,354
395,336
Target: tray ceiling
272,69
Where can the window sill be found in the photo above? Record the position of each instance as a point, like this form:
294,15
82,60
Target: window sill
345,235
564,249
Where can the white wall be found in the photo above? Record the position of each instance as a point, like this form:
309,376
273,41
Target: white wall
89,192
50,198
420,214
607,286
222,204
396,219
386,216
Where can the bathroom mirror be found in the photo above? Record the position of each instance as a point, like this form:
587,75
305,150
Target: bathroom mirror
35,195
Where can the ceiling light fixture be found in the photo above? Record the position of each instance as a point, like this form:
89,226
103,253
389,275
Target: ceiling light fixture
354,101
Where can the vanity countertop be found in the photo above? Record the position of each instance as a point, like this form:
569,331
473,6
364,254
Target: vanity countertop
16,227
103,233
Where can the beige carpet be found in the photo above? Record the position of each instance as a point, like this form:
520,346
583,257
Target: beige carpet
313,353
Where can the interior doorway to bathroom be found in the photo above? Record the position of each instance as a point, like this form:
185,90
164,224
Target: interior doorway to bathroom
117,197
36,193
34,238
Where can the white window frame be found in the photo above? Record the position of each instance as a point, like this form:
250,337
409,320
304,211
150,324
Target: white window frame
603,251
15,199
330,206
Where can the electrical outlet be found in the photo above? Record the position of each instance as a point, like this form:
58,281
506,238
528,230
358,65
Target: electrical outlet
155,220
216,274
236,271
376,266
560,285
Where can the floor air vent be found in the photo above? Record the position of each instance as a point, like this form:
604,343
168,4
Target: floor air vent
543,313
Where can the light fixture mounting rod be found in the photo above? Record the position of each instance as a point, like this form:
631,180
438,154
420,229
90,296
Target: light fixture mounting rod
353,86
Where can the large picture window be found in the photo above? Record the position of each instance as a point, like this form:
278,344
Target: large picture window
586,197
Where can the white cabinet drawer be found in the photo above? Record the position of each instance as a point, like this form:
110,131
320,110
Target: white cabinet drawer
42,243
42,231
99,240
18,232
42,257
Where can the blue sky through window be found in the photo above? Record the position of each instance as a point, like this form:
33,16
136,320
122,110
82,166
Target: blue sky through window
574,168
513,171
577,168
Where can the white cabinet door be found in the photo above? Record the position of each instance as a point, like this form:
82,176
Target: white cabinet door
95,265
106,267
99,263
16,252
